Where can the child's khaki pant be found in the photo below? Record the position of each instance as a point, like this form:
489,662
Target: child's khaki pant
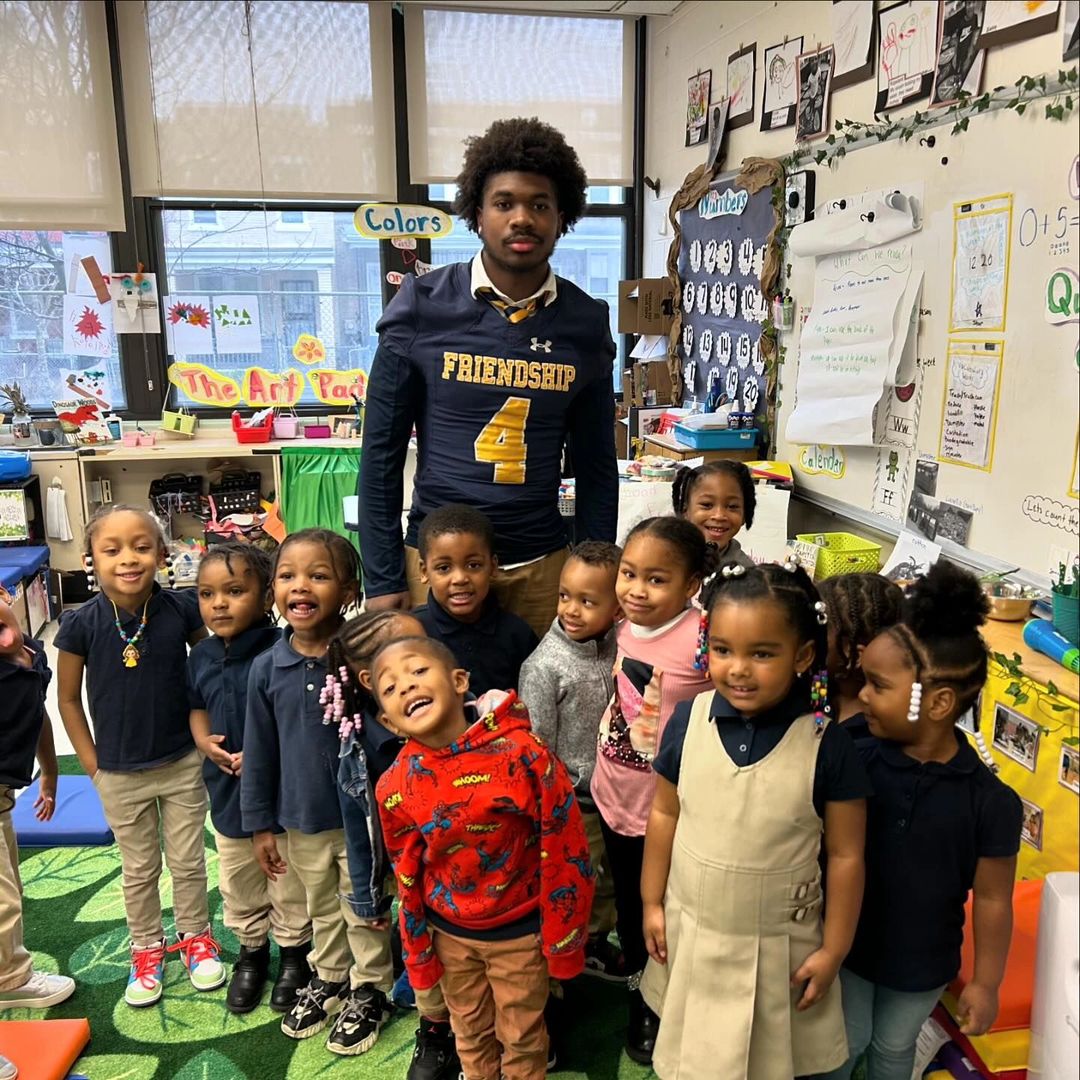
15,963
170,799
255,905
496,992
344,946
602,916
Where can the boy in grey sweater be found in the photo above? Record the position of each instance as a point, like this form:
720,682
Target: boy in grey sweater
566,684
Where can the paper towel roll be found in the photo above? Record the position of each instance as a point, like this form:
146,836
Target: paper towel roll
854,229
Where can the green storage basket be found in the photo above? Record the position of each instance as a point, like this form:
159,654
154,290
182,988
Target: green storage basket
843,553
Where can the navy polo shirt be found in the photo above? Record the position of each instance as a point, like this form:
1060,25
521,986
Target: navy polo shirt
290,756
140,714
22,712
380,746
927,827
218,670
838,774
492,649
858,730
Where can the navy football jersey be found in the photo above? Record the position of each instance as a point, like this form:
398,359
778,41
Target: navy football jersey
493,403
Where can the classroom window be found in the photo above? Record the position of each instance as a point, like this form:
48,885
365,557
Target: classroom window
38,271
272,286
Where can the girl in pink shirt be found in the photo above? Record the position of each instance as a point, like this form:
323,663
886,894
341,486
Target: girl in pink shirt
658,665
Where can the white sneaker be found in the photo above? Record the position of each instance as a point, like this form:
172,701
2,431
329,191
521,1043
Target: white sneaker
7,1070
40,991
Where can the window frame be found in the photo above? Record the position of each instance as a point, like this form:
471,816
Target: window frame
144,359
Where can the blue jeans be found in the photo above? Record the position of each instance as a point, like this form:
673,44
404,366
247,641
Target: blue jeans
885,1024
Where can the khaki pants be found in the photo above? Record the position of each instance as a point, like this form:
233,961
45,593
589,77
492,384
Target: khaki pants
431,1004
344,945
496,992
531,591
602,916
15,964
253,903
172,799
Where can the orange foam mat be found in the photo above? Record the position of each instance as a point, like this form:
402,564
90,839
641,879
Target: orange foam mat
43,1049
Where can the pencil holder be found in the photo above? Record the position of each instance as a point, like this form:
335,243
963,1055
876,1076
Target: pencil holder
1067,616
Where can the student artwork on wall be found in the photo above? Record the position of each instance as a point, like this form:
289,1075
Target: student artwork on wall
236,324
814,80
91,385
781,88
740,86
88,327
1009,21
698,88
135,302
718,113
1016,736
78,246
721,266
1070,31
907,34
187,324
853,41
981,250
969,411
959,64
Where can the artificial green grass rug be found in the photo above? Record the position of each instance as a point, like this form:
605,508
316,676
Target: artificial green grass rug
74,924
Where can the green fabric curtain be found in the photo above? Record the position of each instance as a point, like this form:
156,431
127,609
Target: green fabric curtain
314,481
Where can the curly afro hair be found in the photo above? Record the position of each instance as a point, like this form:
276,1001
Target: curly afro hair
521,145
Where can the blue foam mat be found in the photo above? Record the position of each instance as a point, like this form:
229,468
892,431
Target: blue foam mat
78,821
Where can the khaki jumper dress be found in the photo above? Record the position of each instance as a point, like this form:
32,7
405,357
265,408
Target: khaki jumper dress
743,911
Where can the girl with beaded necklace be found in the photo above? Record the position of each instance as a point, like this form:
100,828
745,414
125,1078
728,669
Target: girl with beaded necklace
131,641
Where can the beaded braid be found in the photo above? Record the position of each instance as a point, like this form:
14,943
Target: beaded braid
353,647
930,662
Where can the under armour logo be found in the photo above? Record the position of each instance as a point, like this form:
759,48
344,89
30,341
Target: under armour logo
540,346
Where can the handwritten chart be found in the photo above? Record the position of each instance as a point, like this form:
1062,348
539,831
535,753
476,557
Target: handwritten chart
848,351
980,278
969,412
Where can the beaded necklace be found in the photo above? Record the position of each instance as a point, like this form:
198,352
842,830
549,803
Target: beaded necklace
131,652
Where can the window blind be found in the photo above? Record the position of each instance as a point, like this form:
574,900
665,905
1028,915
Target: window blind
469,68
59,164
258,98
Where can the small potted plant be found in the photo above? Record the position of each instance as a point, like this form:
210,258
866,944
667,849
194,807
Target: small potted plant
14,401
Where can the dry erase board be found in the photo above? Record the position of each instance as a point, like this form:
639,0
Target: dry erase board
990,413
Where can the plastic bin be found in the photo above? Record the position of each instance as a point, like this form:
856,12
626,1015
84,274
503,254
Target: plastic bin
842,553
1067,617
258,434
285,427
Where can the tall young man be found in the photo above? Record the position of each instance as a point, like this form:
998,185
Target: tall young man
499,365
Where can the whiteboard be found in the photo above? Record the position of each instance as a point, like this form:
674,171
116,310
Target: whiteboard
1023,507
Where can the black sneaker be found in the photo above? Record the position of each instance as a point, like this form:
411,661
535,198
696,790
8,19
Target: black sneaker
435,1054
604,961
356,1029
315,1004
641,1032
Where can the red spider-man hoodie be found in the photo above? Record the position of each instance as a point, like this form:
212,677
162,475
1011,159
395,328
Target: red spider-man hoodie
485,833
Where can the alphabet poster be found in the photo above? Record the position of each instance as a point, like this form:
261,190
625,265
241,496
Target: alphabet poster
980,279
969,411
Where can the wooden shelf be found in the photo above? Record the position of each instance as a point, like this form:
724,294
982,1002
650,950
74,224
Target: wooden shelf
1008,638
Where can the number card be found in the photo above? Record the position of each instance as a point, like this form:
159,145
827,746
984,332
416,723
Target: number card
980,279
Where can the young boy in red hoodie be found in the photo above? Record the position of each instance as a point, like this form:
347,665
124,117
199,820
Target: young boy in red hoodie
490,855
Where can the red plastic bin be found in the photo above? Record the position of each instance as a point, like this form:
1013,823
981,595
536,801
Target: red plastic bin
252,434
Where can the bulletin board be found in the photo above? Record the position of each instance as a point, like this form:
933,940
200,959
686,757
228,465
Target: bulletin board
1013,496
724,264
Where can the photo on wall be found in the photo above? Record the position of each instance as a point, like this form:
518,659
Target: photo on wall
781,89
718,112
853,41
1016,736
1031,828
1069,770
959,64
698,89
814,72
740,86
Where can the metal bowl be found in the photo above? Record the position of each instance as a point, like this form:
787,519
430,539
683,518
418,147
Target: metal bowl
1008,602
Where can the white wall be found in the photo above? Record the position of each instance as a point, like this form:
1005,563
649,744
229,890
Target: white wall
702,34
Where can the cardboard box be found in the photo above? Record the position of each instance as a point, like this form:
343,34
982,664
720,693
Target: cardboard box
647,384
645,306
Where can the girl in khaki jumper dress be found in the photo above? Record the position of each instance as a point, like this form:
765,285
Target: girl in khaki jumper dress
742,965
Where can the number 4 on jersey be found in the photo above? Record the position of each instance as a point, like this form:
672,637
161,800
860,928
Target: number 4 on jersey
502,442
